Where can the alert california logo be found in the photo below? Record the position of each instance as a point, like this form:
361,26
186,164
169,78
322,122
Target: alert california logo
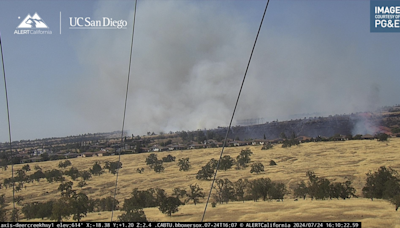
32,25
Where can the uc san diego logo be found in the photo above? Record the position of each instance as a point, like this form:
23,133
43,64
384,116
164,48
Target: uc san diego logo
33,25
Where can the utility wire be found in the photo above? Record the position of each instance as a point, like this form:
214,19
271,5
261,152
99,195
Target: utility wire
123,119
9,125
234,110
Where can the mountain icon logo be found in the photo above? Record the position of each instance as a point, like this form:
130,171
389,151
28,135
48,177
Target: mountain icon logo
34,21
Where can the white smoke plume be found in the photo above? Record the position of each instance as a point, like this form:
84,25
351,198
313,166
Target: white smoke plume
188,62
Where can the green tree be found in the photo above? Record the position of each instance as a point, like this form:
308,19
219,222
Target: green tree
277,191
14,215
323,188
239,188
257,168
134,215
226,163
151,160
158,167
179,193
243,158
96,169
395,200
140,199
184,164
348,190
169,205
26,168
21,176
38,210
259,188
45,156
205,173
159,195
312,185
108,204
37,175
224,190
301,190
195,193
213,163
383,183
73,173
85,175
357,137
3,211
201,137
66,189
61,209
54,175
113,166
79,206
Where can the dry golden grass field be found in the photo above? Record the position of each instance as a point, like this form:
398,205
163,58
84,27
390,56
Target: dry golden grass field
337,161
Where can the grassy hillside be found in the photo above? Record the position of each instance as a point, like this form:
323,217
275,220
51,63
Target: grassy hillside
337,161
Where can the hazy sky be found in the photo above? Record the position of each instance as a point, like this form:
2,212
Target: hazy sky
188,62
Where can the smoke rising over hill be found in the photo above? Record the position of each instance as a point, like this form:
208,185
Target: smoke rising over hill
189,58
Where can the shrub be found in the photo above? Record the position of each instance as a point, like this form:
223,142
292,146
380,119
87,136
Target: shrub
26,168
64,164
140,170
257,168
82,183
267,146
169,158
272,162
382,137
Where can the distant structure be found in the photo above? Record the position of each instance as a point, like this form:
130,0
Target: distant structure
253,121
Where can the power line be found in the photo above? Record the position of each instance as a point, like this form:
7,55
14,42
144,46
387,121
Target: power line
234,110
123,119
9,124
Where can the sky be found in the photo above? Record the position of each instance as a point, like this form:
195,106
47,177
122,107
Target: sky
188,61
